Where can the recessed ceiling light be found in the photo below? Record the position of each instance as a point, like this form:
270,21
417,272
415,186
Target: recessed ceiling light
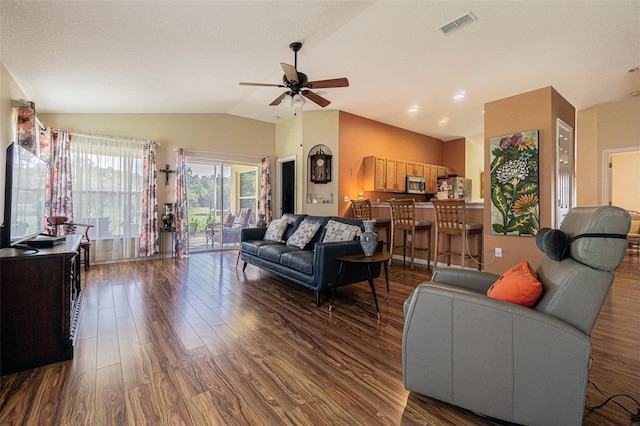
320,92
635,93
276,117
460,95
414,109
635,69
443,121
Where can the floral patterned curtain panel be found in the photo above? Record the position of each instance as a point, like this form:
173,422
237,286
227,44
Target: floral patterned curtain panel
149,223
61,203
45,154
181,210
265,189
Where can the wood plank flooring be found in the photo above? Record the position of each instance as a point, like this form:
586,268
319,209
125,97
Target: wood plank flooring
197,342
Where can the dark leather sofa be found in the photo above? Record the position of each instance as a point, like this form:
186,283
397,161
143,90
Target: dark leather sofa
315,267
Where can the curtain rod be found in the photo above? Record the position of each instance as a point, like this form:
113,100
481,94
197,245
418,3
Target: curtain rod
194,153
89,135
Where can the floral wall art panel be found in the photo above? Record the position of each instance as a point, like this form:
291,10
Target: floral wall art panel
515,207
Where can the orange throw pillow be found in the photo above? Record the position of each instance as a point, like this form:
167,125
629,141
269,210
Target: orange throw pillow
518,285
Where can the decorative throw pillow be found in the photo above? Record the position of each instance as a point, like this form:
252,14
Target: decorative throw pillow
338,231
276,229
303,234
518,285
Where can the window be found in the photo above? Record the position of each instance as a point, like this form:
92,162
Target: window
107,189
248,197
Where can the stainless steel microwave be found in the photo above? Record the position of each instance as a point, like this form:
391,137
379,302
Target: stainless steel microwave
416,185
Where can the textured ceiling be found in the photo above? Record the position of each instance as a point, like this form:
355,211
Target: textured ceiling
188,57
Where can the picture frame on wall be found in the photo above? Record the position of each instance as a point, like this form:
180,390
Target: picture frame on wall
515,202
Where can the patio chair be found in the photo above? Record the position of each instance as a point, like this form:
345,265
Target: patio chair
212,227
226,235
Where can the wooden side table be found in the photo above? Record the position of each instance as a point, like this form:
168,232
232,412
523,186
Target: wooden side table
377,258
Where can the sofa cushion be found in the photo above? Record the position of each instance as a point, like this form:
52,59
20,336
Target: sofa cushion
339,231
518,285
301,260
321,221
296,220
273,251
252,246
303,235
276,229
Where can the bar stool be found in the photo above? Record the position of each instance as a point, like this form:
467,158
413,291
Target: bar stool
361,209
403,218
451,220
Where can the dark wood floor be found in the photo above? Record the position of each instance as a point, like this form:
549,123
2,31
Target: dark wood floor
196,342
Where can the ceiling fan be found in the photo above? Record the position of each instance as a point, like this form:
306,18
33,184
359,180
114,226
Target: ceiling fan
298,84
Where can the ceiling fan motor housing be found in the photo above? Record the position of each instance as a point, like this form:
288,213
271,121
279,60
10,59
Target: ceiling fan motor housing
296,86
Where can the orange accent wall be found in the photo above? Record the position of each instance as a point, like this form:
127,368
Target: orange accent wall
535,110
454,155
360,137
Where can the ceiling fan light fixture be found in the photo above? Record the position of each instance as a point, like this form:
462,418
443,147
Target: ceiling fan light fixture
287,101
297,100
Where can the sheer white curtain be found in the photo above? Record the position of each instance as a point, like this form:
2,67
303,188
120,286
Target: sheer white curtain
107,193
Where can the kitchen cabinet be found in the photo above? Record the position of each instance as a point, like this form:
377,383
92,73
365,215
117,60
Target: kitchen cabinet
384,174
375,173
415,169
397,179
431,178
390,175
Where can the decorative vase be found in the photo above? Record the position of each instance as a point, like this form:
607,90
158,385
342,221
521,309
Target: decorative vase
167,215
261,223
369,239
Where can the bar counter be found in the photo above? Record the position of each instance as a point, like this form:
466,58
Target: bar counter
424,211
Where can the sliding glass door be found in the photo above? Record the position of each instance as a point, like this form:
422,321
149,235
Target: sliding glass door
223,199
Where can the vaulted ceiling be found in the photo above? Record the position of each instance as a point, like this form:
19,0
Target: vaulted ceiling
188,57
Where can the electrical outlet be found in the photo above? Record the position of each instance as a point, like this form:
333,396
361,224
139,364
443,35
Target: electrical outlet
498,252
346,198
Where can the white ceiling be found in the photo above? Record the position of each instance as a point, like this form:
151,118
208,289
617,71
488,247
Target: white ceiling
188,57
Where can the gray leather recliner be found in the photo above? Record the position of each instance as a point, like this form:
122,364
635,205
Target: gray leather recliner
523,365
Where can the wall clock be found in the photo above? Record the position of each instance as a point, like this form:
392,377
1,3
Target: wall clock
320,166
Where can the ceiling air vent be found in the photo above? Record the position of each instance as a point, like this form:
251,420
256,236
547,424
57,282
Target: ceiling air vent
465,19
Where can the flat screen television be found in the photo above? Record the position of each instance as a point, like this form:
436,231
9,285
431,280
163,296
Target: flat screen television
24,196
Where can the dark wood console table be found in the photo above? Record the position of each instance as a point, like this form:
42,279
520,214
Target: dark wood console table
40,297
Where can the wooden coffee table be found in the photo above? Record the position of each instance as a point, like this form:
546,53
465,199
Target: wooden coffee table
377,258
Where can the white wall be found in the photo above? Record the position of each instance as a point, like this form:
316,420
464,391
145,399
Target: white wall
321,128
603,127
9,90
225,136
295,137
624,180
474,163
289,145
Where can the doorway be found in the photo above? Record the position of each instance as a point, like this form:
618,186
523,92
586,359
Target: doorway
621,172
287,186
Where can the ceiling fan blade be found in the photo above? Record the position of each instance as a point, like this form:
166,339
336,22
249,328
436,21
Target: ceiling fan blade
315,98
242,83
290,72
279,99
326,84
